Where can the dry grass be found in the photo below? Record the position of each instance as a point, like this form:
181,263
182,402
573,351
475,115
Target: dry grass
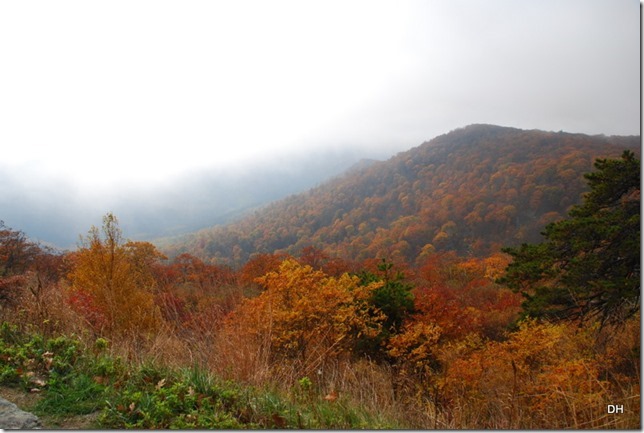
578,402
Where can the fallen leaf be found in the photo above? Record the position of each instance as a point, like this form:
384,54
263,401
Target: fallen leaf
37,381
160,384
332,396
278,421
99,379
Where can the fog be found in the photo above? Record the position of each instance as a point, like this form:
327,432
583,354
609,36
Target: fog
123,105
58,212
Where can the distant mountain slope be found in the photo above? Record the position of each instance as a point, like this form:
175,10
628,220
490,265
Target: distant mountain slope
472,190
57,211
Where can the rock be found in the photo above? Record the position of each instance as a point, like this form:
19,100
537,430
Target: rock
11,417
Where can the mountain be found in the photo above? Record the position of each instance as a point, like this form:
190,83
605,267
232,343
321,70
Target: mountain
472,190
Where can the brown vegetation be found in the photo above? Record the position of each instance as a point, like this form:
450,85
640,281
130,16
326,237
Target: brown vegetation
455,362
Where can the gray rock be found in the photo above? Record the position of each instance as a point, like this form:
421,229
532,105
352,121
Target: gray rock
11,417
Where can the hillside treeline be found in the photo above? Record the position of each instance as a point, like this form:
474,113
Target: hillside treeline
472,191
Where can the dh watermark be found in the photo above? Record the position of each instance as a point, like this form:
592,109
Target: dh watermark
615,408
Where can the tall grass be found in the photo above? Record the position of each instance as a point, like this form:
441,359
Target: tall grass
251,387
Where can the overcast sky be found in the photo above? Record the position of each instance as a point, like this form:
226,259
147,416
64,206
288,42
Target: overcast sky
97,92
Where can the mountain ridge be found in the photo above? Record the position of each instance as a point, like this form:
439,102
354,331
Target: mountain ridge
471,190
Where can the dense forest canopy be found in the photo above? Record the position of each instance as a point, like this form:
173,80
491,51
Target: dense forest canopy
473,191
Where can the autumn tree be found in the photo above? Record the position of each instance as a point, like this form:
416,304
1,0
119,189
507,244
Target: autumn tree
306,316
143,256
26,268
114,279
16,251
461,296
16,255
589,265
319,259
259,265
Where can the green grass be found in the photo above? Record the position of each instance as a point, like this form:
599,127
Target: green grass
77,395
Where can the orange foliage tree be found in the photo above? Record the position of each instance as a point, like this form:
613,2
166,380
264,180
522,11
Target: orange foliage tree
544,376
115,280
258,265
306,315
461,296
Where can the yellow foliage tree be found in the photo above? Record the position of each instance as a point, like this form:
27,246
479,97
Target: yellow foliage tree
308,316
117,278
416,346
544,376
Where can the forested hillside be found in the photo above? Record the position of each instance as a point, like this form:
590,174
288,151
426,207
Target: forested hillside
471,191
